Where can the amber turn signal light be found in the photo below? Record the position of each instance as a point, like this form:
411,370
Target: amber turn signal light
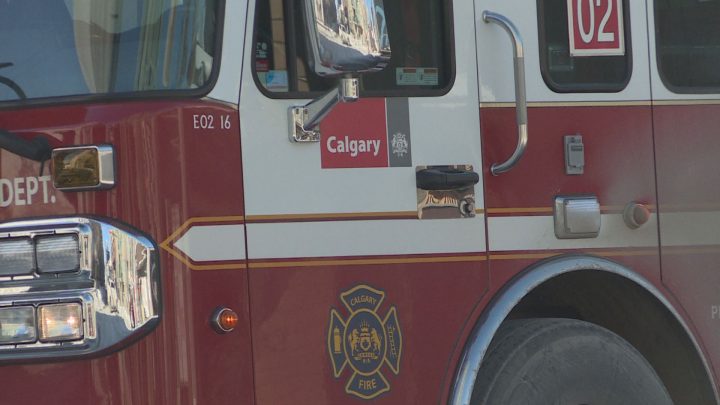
224,320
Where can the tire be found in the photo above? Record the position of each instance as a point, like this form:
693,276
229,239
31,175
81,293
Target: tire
564,362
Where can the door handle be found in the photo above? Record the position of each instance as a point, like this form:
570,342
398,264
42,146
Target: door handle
520,93
445,178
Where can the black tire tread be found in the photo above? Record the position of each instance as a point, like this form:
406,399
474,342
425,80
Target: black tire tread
514,336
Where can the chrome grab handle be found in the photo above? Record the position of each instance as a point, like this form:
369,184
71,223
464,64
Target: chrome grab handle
520,94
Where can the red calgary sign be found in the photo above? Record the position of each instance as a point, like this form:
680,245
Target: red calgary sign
355,135
596,27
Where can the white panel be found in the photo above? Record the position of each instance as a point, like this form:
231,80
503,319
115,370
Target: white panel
227,87
281,177
690,228
495,66
213,243
365,238
538,233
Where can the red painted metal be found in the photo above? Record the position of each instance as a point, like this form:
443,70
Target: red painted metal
687,150
618,155
167,173
291,315
623,146
171,171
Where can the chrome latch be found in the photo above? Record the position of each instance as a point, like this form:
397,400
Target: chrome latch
445,192
577,217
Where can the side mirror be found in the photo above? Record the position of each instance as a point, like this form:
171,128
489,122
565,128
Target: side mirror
345,38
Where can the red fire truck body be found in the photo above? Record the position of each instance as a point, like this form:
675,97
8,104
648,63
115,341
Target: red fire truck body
352,279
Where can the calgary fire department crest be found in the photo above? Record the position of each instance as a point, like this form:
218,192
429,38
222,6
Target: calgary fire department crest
364,342
399,144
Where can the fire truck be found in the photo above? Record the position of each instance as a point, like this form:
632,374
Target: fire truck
339,201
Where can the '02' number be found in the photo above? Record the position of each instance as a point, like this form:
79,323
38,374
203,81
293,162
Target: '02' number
587,36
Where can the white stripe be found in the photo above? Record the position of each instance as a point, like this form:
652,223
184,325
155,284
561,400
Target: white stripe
365,238
538,233
213,243
690,228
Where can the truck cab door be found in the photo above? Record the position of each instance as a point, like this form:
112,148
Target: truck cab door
590,132
333,227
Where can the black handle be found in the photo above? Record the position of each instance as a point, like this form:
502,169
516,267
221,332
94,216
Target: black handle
37,149
445,178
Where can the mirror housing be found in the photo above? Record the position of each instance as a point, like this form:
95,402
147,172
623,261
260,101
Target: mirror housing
344,39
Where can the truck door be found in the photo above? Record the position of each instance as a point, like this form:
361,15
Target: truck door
337,253
685,52
589,149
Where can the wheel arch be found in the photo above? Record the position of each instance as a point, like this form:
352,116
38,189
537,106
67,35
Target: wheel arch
595,290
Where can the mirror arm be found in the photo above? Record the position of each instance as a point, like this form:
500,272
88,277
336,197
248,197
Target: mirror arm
305,120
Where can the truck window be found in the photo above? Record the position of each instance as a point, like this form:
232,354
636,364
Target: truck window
564,73
419,33
79,48
688,45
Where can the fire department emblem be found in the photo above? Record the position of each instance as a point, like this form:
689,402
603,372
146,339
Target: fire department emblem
364,342
399,144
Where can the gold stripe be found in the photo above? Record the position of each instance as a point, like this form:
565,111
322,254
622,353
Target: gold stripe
186,262
339,215
686,102
648,103
647,252
690,208
549,210
571,104
545,255
523,256
670,250
186,224
168,247
621,208
524,210
360,262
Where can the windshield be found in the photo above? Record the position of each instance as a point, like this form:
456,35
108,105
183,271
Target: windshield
81,47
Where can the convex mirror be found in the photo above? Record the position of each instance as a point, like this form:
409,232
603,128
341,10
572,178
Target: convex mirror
347,36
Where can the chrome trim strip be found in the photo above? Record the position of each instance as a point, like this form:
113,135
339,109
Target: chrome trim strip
493,316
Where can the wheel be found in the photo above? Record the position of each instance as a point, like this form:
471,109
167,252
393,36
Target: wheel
564,362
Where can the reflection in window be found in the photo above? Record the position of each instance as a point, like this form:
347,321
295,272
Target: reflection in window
80,47
416,31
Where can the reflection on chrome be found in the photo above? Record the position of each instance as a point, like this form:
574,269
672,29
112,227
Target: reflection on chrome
349,36
117,285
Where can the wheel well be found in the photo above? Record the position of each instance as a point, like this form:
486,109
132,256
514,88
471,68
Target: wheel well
629,310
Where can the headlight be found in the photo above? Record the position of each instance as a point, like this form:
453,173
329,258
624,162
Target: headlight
16,256
71,287
57,254
60,322
17,325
